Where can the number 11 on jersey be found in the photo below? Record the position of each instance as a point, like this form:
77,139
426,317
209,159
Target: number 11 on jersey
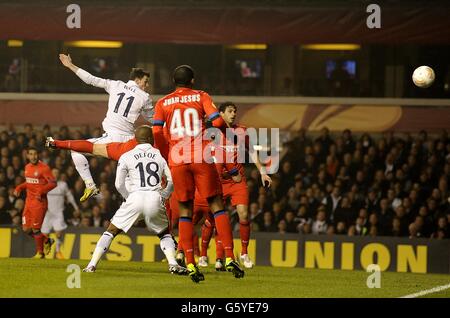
127,109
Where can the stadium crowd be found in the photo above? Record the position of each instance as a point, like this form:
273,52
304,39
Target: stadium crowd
383,185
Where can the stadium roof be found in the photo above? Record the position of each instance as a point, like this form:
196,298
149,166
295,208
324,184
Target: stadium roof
229,21
245,3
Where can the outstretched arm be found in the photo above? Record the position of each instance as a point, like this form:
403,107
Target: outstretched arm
66,60
86,77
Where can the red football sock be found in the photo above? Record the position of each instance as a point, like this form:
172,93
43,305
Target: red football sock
207,231
195,244
244,232
223,228
219,247
76,145
185,232
39,239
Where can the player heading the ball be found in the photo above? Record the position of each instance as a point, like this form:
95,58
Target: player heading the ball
126,102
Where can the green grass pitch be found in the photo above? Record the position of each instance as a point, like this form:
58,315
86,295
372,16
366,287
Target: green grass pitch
22,277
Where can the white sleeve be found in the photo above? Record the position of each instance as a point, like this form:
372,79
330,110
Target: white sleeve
121,174
69,197
90,79
148,110
165,193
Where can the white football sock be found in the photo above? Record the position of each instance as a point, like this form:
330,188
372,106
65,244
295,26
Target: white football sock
102,246
82,166
58,244
167,245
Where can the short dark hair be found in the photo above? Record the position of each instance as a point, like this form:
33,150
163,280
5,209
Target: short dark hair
30,148
224,106
138,73
183,75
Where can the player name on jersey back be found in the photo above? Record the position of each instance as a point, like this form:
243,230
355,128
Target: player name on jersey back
182,99
144,166
130,88
140,155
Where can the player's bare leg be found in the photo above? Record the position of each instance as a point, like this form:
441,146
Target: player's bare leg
225,233
185,229
244,233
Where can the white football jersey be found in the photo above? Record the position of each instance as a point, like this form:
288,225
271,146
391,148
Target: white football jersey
144,166
56,198
126,102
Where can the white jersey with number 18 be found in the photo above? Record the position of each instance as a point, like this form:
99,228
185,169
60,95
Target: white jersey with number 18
144,166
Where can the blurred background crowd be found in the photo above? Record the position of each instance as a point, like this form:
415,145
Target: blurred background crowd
337,183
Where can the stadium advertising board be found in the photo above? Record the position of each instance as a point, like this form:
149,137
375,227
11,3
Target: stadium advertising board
289,250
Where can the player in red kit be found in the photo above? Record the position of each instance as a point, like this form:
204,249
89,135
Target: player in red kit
39,181
237,192
183,112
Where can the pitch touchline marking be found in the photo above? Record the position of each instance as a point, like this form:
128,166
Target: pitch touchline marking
427,291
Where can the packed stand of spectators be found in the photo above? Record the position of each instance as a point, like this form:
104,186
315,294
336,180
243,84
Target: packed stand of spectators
13,144
389,186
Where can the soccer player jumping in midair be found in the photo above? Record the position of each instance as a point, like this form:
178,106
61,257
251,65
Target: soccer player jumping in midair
126,102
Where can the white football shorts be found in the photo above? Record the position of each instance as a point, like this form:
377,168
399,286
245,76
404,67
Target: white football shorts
53,221
142,204
108,137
